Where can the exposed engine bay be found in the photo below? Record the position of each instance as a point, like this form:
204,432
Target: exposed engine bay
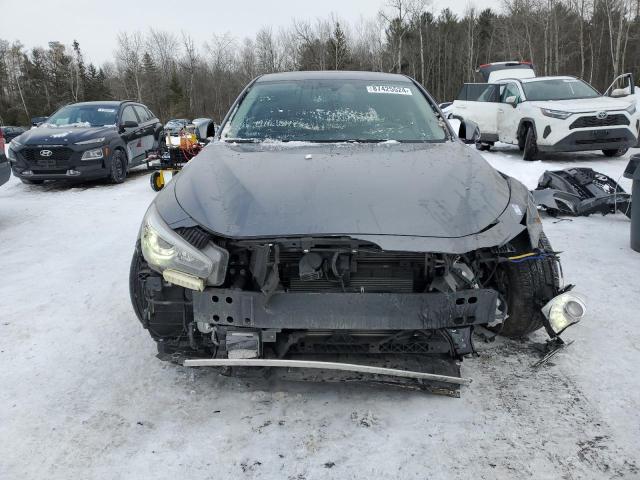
337,295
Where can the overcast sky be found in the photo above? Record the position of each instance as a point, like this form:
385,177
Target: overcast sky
95,24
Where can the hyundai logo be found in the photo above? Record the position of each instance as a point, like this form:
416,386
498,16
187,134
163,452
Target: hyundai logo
602,115
46,153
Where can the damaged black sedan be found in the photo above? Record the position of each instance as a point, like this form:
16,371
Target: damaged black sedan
338,213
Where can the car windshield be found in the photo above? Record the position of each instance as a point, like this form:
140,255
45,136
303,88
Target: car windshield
83,116
335,111
558,89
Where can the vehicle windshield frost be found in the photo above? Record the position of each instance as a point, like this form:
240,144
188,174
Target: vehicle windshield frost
83,116
558,89
335,111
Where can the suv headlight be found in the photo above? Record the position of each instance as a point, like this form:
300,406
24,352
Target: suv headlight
555,113
631,109
93,154
166,251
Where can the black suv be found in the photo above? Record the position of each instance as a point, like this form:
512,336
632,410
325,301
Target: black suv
86,141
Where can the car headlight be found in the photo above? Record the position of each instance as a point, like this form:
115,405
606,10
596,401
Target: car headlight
93,154
631,109
179,261
564,310
91,141
555,113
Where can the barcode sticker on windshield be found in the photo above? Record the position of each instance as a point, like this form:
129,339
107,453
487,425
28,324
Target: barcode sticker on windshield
389,89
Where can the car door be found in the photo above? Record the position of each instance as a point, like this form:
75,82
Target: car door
147,129
131,136
509,113
478,102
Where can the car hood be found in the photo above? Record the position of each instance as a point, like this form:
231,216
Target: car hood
417,190
63,135
584,104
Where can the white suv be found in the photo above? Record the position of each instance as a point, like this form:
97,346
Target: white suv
547,114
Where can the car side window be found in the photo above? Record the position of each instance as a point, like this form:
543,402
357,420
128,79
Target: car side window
150,113
510,90
128,115
142,113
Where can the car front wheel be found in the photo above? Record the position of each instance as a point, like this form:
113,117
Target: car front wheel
530,151
118,171
526,286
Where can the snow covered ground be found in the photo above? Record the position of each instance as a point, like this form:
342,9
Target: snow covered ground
83,397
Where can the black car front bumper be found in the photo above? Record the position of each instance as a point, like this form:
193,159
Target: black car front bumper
609,139
345,311
64,163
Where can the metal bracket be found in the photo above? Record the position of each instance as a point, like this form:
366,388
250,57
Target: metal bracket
349,367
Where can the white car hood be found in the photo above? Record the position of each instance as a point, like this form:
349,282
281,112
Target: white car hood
597,104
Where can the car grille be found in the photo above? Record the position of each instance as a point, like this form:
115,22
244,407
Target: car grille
58,159
593,121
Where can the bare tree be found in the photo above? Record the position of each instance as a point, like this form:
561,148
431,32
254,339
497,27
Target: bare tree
129,58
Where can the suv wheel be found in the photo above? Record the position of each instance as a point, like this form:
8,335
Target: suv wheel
118,167
618,152
530,151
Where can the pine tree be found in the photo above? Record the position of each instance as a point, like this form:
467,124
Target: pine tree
338,49
176,97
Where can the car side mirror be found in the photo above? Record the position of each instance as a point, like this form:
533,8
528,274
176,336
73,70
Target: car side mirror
128,125
619,92
512,100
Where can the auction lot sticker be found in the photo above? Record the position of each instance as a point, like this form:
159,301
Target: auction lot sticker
389,89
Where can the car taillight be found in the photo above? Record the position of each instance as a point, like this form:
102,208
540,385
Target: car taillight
1,141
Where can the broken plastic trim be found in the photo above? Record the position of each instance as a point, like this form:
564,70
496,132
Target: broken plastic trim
348,367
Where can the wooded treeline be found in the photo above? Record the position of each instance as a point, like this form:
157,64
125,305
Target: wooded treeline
592,39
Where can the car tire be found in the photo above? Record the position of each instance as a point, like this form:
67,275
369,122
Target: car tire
618,152
527,286
118,171
157,181
31,182
138,300
530,150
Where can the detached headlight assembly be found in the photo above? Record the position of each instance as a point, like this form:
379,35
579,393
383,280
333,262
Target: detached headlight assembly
563,311
93,154
180,262
555,113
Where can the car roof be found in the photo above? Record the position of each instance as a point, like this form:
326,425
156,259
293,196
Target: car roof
334,75
538,79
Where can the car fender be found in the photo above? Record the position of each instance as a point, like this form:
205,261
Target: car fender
115,143
522,199
530,120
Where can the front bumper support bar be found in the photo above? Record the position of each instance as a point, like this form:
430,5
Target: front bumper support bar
319,365
345,311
